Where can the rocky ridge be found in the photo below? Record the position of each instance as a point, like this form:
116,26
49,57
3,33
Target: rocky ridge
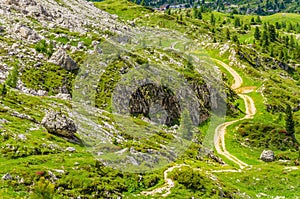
25,23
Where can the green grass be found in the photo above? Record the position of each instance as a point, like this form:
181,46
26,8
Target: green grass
126,10
282,17
269,178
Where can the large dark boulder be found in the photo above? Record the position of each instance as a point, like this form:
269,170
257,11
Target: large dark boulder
59,124
267,156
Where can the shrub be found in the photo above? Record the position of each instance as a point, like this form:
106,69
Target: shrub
43,190
12,78
43,47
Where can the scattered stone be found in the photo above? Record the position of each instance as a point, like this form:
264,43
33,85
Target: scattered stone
58,123
59,171
62,59
63,96
53,177
27,33
71,149
267,156
3,121
22,137
40,56
23,116
80,45
95,43
7,176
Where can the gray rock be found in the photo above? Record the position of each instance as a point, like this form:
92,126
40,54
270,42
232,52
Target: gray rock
62,59
267,156
36,11
40,56
58,123
70,149
23,116
59,171
11,2
63,96
95,43
53,177
22,137
27,33
7,176
80,45
3,121
41,93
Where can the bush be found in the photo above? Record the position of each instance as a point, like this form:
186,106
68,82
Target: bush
267,136
192,179
12,78
43,47
3,90
43,190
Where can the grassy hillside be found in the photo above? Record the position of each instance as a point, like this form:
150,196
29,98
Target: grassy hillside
42,165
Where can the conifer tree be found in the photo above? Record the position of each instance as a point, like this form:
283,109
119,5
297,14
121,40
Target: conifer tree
227,34
289,121
272,33
257,33
212,19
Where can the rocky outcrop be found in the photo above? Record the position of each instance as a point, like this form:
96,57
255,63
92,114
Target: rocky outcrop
267,156
27,33
75,15
151,100
62,59
59,124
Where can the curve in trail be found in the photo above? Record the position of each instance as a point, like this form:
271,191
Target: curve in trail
250,112
169,183
238,81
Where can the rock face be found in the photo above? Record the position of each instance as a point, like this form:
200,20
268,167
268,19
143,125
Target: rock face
61,58
143,102
267,156
58,123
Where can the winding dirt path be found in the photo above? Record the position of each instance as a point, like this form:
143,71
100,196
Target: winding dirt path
169,183
220,132
250,112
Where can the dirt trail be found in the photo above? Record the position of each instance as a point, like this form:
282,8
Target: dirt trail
220,132
250,112
169,183
238,81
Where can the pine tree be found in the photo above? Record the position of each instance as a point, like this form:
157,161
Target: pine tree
252,21
265,39
199,14
235,39
272,33
168,11
3,90
212,19
289,121
237,22
258,20
292,41
227,34
257,33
